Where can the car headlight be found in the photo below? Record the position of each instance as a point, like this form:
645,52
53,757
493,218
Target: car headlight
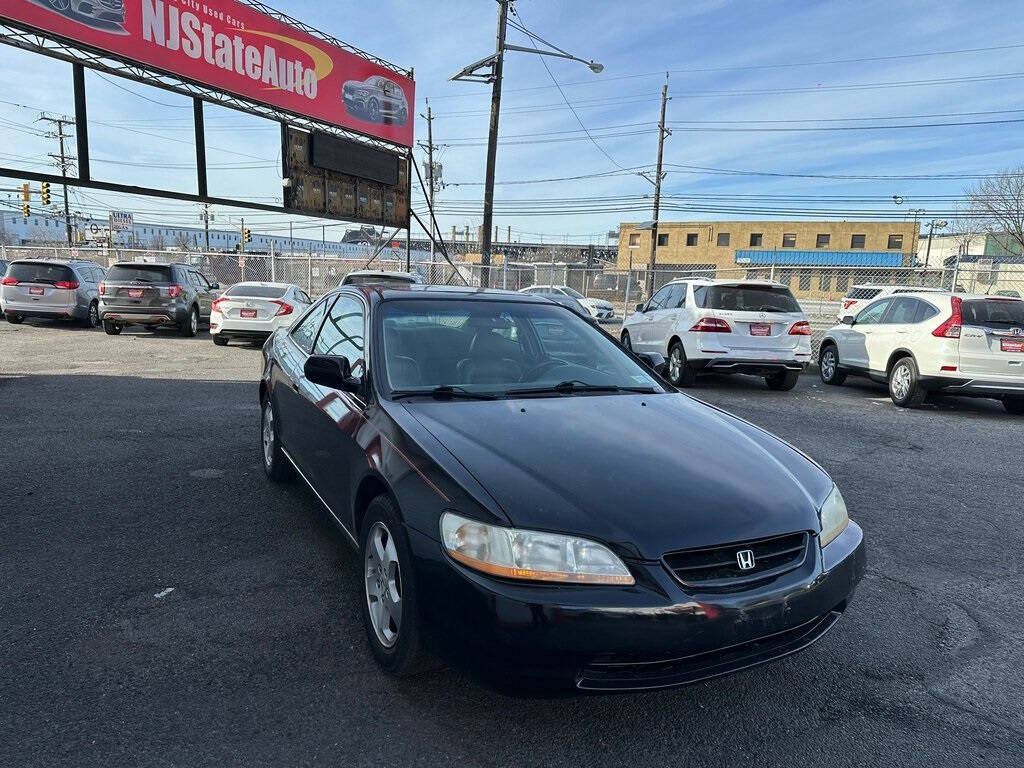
834,517
530,555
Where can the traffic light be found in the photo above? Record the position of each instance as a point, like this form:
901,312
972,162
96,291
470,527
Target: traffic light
26,193
44,193
246,236
25,210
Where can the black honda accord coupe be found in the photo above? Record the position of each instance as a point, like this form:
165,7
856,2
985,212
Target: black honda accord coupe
532,502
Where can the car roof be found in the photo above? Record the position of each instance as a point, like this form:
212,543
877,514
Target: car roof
915,288
724,281
264,284
383,292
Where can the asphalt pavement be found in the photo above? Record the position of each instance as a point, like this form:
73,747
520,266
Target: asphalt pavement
163,605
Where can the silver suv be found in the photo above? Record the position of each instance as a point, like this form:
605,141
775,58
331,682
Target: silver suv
152,295
50,288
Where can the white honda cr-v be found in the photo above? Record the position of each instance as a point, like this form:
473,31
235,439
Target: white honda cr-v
723,326
950,343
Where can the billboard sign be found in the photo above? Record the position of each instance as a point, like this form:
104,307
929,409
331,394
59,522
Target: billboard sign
121,221
229,45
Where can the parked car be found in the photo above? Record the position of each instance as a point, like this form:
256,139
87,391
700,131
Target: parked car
598,308
723,326
376,99
924,342
383,277
1011,293
81,10
859,295
156,295
253,311
50,288
469,445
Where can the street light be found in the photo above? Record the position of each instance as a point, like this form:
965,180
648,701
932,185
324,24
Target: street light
492,72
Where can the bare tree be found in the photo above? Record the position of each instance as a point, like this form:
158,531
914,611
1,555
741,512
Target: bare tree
182,241
964,230
998,203
157,243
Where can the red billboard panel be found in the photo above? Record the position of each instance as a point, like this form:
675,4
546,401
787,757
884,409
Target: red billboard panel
233,47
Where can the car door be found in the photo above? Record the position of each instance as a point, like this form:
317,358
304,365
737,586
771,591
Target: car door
892,333
334,416
854,340
643,338
207,293
296,428
664,322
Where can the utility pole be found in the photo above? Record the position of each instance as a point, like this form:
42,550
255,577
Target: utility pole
492,145
657,193
206,225
63,163
430,173
241,236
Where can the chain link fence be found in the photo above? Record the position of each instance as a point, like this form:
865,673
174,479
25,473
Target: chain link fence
820,290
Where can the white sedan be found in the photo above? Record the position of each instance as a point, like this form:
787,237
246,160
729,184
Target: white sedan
598,308
253,311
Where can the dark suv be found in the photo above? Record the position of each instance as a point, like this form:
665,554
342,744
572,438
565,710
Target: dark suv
152,295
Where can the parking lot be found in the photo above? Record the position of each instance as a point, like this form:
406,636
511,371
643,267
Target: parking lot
164,605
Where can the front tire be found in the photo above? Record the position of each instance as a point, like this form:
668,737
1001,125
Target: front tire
679,371
782,382
390,605
111,328
191,326
904,387
275,464
1014,405
828,366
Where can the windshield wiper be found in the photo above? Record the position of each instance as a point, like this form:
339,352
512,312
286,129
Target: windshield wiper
573,386
443,392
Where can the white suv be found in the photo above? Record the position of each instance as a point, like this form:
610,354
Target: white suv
723,326
921,342
601,310
859,296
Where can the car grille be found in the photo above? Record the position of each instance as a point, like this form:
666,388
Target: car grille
718,567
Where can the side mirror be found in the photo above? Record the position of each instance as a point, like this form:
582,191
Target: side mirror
215,286
847,320
640,307
330,371
654,361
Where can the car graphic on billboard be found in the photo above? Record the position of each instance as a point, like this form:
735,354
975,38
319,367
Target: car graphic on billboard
376,99
95,13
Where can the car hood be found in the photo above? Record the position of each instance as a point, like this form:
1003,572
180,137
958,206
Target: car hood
646,474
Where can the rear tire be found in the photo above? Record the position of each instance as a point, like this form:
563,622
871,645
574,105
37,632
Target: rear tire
828,366
679,371
191,326
92,320
1014,405
397,646
782,382
275,464
111,328
626,343
904,388
219,340
15,319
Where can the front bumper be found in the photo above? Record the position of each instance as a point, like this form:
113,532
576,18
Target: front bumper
653,634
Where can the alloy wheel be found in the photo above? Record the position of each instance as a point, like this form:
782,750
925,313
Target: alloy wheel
94,315
828,364
268,433
675,364
901,382
383,579
194,322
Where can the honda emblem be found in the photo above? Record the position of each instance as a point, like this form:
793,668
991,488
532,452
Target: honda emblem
1016,331
745,559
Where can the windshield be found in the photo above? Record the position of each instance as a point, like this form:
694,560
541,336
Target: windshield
993,312
34,272
862,294
492,347
748,298
257,291
146,273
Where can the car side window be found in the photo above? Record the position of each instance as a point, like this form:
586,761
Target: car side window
305,332
700,295
193,278
924,312
901,311
659,299
203,282
872,315
679,297
343,333
304,298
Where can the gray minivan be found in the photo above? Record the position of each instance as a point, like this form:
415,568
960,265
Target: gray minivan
153,295
51,288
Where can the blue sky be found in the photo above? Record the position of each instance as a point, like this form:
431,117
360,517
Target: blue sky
728,61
